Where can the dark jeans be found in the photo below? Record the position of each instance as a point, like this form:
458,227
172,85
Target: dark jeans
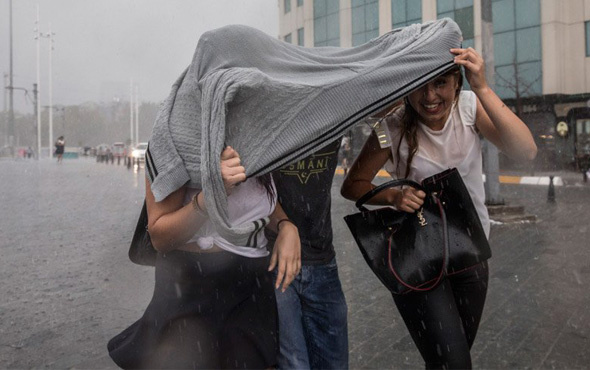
313,331
443,322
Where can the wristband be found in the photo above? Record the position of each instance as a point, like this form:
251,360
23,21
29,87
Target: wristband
284,220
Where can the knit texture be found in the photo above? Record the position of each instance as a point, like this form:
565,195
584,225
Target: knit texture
276,103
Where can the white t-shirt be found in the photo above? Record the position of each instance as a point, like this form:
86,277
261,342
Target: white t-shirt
456,145
248,201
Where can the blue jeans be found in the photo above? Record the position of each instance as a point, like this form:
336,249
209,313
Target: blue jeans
313,332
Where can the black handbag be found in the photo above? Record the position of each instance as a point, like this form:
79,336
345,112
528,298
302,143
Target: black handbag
141,250
415,251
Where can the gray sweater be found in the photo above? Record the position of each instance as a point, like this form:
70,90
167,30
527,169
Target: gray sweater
276,103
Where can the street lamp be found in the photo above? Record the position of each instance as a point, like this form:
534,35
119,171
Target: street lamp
49,35
10,90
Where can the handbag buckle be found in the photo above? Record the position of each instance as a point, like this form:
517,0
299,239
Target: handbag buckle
421,219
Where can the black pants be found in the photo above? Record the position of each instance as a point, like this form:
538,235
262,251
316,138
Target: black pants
443,322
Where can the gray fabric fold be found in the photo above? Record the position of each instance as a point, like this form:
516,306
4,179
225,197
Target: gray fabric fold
276,103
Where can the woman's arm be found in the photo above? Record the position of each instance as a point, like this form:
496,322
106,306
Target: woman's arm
364,169
170,223
494,119
286,254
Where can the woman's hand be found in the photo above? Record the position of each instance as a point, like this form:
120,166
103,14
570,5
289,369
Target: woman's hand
231,171
474,67
409,199
286,254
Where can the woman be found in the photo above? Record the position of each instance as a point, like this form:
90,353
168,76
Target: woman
437,128
213,304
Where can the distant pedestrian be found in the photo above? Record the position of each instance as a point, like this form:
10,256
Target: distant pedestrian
60,145
29,152
438,127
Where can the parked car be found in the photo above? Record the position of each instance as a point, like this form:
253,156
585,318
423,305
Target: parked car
138,153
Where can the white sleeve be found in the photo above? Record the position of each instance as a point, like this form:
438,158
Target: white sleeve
467,107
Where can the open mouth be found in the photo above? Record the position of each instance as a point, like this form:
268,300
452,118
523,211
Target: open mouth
432,108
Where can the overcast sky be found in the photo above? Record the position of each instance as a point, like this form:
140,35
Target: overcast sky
101,45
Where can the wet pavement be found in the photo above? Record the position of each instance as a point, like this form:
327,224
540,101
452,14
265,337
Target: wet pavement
68,286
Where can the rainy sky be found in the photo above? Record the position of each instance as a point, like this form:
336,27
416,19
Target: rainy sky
100,46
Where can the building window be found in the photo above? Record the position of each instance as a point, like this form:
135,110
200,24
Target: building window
461,11
300,37
288,38
299,2
287,6
365,21
517,48
587,24
405,12
326,22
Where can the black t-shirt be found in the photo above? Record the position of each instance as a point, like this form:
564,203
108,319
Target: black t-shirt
303,190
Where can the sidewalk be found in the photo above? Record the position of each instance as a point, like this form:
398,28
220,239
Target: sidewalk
68,285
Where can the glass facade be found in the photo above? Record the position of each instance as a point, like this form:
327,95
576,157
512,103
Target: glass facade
299,2
517,47
587,25
326,22
287,4
365,20
288,38
461,11
405,12
300,37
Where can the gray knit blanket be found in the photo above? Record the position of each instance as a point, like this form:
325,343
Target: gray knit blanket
276,103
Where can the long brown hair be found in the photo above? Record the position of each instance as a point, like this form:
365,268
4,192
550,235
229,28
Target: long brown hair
266,182
409,123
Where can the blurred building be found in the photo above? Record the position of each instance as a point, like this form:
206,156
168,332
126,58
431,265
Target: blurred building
541,55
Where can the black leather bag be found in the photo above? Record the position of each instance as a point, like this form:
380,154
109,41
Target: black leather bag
415,251
141,250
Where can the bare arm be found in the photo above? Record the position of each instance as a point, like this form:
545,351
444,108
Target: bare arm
170,223
363,171
494,119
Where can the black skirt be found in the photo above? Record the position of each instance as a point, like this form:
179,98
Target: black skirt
208,311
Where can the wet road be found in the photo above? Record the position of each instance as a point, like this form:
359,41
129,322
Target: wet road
68,286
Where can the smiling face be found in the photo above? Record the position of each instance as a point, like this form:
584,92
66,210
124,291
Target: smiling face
433,102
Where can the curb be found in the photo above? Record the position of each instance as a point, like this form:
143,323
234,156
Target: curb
504,179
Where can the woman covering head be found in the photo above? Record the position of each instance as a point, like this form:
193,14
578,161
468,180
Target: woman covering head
438,127
214,302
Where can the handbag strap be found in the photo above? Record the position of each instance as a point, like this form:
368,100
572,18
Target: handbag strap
445,260
390,184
